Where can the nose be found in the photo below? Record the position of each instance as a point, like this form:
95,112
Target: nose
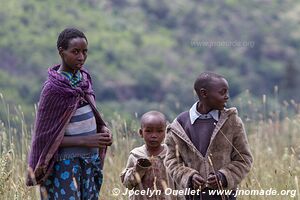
81,56
226,96
154,135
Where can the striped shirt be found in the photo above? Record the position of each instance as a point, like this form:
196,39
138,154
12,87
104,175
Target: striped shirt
81,123
73,78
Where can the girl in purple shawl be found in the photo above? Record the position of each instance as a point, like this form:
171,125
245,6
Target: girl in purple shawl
70,138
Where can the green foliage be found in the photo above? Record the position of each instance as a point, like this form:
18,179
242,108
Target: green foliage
150,52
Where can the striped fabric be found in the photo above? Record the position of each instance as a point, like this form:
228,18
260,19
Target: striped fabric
74,79
81,123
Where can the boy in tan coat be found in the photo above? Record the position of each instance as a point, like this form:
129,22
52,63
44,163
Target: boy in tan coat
145,174
207,145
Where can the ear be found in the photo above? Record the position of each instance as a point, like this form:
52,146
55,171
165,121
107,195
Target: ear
203,92
61,51
141,132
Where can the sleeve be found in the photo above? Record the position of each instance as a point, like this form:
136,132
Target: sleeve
132,174
221,177
176,168
241,157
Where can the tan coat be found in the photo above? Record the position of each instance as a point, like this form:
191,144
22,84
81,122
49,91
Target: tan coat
151,178
228,152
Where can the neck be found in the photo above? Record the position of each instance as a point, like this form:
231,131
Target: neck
203,108
154,151
63,67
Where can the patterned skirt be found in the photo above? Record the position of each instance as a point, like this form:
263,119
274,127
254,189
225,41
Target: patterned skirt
78,178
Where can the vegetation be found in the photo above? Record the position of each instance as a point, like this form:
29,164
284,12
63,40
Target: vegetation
142,54
274,144
145,55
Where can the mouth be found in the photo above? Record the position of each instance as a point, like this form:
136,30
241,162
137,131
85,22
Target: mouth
79,65
153,142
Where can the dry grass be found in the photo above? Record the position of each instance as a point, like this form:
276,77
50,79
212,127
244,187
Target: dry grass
274,143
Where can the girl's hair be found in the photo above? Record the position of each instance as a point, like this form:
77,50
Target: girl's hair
66,35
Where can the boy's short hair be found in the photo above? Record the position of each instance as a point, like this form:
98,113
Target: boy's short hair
66,35
204,80
152,113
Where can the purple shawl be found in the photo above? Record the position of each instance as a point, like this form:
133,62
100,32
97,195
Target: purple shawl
58,102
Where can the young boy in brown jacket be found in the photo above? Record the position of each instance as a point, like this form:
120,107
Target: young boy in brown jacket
145,174
207,145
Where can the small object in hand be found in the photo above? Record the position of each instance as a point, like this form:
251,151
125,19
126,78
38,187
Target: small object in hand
144,162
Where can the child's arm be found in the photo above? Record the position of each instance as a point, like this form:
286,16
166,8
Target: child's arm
241,157
176,168
134,171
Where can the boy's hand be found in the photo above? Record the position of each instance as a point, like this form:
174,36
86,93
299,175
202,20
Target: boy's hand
215,181
212,181
141,167
144,162
197,181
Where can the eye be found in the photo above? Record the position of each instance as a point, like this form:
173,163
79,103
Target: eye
224,91
75,51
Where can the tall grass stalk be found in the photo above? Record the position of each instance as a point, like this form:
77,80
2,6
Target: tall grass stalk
274,143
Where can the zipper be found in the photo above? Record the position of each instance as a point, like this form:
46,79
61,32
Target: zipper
193,148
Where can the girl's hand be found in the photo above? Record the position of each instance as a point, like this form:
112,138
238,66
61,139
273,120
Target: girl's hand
106,136
98,140
102,139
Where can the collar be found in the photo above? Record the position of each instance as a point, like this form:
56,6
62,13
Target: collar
162,154
73,78
70,76
194,114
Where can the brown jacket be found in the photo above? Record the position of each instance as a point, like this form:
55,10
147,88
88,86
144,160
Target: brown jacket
228,152
151,178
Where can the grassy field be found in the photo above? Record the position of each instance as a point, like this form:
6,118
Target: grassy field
275,145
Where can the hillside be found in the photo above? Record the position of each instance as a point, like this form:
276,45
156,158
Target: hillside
146,54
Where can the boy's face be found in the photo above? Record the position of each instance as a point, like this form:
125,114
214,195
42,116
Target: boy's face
153,131
217,94
75,55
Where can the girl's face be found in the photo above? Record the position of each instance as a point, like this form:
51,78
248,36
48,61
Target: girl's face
75,55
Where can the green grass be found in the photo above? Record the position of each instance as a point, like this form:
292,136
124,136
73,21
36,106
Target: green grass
274,144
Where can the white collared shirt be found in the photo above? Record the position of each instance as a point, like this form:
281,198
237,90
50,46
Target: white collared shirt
194,114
